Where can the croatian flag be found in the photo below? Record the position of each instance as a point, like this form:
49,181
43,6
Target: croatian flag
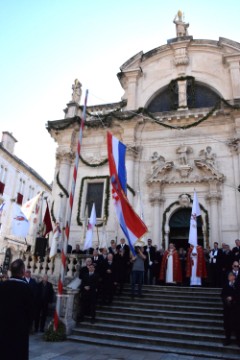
193,221
131,224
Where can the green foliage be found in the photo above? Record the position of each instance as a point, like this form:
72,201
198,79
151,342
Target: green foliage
58,335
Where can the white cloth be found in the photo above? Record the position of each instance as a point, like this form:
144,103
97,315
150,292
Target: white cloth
169,270
195,280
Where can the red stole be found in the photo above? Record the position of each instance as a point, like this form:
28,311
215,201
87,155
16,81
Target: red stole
177,271
201,263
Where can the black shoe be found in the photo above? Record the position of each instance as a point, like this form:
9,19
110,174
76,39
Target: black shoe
226,342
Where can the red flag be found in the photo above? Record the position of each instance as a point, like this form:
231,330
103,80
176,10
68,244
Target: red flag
47,222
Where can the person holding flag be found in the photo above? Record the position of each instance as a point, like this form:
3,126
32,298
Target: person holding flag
196,266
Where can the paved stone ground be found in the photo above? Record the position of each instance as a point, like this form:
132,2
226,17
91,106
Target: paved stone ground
66,350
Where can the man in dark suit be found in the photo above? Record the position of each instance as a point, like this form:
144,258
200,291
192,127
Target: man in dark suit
230,297
149,251
34,289
45,296
88,294
126,255
16,303
236,251
215,259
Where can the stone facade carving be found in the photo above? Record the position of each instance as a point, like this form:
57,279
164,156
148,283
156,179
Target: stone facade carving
206,162
161,166
234,145
202,169
184,200
183,151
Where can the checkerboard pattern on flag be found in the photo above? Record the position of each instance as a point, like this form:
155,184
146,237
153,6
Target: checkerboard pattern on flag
193,221
131,224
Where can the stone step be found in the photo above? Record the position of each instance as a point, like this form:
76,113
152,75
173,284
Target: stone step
164,295
168,318
154,332
186,290
139,309
165,324
184,347
150,300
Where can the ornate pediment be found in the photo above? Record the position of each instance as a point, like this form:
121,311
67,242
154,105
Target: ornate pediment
185,170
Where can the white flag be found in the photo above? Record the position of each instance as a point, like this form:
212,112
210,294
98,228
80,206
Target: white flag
193,221
28,207
103,237
20,224
89,235
55,241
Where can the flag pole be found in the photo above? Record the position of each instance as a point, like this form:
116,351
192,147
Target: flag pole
69,215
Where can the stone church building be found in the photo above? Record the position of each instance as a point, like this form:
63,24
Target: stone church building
180,119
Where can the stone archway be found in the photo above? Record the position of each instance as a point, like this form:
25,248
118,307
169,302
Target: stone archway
179,223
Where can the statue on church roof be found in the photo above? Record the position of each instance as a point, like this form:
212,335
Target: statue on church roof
77,91
181,26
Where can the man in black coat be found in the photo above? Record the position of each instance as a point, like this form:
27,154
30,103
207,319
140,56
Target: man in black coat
149,251
16,304
45,294
88,294
215,259
231,304
236,251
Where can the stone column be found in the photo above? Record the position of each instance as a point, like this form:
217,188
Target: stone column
213,197
64,158
132,78
235,75
157,200
234,145
182,94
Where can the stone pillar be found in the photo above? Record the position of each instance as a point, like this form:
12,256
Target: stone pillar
213,198
182,94
157,200
235,76
65,159
132,79
234,145
68,310
132,155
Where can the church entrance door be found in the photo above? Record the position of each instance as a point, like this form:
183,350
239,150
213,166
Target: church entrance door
179,228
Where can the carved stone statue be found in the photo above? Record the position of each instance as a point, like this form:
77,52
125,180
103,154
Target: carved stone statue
160,166
207,156
181,26
183,152
77,91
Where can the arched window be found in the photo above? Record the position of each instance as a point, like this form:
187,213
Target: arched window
198,96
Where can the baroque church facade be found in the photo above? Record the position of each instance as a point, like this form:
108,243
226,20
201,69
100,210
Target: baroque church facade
180,119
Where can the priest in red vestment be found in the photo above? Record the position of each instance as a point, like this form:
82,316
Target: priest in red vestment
170,271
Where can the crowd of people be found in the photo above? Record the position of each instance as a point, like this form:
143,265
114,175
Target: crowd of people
107,270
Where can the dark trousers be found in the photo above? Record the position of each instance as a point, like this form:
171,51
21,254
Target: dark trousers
137,279
88,304
41,316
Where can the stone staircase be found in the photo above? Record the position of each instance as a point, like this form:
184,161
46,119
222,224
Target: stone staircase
180,320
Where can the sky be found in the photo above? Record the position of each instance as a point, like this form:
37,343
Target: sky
46,44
